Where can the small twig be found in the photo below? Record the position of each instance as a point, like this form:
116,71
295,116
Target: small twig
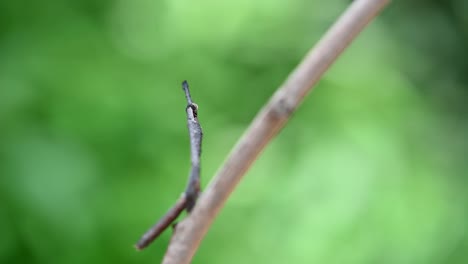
196,135
163,223
188,199
266,125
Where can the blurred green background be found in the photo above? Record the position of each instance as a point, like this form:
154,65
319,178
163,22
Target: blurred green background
94,146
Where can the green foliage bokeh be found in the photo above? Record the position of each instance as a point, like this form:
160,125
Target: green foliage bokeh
94,145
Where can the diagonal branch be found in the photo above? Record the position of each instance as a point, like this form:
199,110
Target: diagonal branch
266,125
162,224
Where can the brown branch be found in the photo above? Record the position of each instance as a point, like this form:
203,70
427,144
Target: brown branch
163,223
266,125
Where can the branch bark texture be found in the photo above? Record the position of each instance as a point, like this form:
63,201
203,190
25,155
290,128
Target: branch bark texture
266,125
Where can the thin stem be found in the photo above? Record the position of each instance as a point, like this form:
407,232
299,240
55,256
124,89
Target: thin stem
162,224
196,135
189,197
185,87
266,125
